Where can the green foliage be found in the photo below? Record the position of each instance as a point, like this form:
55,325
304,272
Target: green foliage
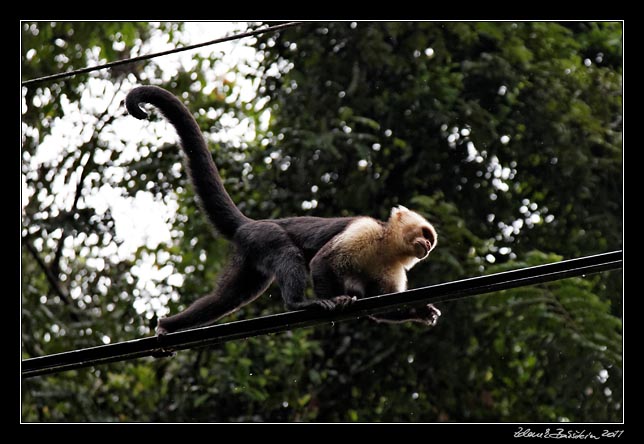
506,136
563,337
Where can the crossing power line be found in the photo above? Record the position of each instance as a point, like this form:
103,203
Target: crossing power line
220,333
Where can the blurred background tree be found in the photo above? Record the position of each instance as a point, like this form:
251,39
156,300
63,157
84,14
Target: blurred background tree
507,136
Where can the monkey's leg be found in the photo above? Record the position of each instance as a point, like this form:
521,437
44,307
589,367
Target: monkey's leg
239,284
425,314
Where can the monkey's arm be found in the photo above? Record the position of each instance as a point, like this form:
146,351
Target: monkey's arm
426,314
329,286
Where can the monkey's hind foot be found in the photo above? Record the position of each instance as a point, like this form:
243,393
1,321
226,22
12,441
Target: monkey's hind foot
162,352
161,331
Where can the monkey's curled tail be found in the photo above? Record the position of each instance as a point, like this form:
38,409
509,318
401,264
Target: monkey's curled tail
221,210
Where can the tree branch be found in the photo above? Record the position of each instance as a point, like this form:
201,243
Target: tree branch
55,263
51,278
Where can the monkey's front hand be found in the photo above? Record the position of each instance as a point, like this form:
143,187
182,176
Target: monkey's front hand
427,314
336,303
343,301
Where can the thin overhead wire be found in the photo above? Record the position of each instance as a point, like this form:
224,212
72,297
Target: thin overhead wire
158,54
220,333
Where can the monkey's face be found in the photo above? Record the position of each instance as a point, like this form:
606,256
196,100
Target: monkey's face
424,241
418,236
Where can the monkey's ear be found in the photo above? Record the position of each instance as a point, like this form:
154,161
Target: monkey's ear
399,210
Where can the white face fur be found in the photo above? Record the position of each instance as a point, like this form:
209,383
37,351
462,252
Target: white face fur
414,236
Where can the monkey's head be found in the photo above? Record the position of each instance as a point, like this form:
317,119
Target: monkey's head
413,235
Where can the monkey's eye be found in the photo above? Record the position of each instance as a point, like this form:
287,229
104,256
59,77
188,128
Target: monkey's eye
427,234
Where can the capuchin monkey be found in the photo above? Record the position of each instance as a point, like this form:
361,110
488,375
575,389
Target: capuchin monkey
347,257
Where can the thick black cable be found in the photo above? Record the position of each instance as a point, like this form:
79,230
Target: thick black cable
157,54
215,334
